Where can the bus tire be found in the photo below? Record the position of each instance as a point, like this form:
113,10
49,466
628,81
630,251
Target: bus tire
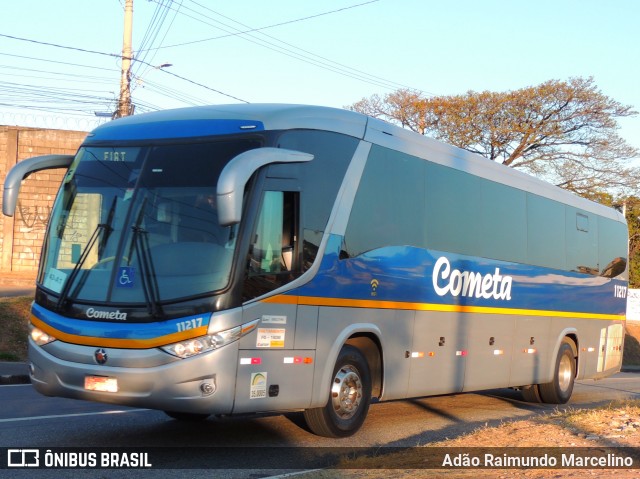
559,390
531,393
186,416
349,397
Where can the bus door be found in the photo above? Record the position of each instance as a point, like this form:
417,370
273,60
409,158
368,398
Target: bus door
275,369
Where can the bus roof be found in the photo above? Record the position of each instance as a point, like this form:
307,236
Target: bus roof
213,120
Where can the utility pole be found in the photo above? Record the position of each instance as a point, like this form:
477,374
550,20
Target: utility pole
124,103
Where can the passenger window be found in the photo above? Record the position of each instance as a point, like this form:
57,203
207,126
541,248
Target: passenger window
582,222
266,249
273,252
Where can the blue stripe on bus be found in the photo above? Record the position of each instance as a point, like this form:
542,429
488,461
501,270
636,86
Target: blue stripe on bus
405,274
123,131
118,330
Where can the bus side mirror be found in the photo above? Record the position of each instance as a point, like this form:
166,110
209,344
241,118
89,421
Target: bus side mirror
237,172
23,169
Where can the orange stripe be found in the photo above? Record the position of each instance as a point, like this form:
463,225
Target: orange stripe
451,308
119,342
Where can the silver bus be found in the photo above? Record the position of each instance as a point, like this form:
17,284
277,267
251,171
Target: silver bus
238,259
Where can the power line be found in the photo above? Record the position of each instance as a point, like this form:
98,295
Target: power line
56,62
153,30
66,47
261,28
288,49
113,55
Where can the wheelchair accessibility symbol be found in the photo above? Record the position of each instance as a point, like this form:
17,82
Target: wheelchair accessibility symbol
126,276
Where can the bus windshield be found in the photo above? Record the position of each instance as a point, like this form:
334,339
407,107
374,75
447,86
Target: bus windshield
138,224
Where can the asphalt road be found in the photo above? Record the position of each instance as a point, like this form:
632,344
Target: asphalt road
28,419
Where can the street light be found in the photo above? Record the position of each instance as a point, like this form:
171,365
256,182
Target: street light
140,81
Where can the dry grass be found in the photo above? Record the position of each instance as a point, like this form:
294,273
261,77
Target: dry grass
14,316
615,425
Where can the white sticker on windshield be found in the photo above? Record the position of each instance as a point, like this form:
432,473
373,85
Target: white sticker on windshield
54,280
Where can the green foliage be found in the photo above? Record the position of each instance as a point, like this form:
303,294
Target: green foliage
632,207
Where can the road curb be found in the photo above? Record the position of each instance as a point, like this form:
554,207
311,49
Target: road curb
14,373
15,379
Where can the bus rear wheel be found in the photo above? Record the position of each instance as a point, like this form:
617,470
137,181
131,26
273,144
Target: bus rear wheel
559,390
349,397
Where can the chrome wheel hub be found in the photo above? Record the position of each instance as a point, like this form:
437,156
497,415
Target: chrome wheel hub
346,392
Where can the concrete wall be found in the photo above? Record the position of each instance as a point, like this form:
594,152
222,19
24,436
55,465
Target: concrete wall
21,236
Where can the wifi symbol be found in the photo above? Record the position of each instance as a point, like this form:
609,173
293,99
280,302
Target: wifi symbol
374,287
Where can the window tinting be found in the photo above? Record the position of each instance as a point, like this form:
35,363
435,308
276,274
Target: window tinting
319,179
612,254
403,200
389,208
452,208
545,227
581,245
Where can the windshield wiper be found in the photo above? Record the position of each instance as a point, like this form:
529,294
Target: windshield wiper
105,229
140,241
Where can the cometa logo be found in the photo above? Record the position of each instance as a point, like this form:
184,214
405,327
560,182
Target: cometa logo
95,314
468,283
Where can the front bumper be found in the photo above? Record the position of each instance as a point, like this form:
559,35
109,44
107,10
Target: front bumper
203,384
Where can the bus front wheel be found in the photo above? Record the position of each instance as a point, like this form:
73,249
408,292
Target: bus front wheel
186,416
349,397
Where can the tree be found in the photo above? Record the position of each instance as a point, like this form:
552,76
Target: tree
562,131
633,220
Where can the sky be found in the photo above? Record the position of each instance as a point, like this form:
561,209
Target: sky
330,53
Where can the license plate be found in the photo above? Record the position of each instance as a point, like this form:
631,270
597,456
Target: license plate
101,384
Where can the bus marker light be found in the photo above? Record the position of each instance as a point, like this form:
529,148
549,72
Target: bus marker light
250,360
417,355
498,352
461,353
431,354
293,360
298,360
529,351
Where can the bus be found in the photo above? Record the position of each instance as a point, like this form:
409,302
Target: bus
263,258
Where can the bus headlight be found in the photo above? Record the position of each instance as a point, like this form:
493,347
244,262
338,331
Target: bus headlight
39,336
203,344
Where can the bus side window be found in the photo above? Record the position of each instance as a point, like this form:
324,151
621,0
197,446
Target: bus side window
266,247
273,253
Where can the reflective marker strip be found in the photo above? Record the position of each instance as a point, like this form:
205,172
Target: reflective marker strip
297,360
245,361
